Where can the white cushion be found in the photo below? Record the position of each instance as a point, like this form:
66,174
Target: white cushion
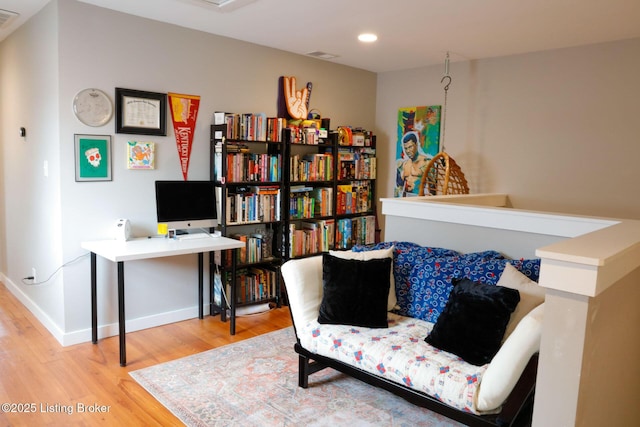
531,295
303,280
508,364
375,254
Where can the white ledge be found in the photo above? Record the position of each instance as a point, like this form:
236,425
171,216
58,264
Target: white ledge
488,210
596,254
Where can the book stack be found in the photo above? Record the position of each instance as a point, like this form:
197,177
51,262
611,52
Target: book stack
354,198
360,164
251,126
252,167
311,167
246,205
254,284
301,202
311,237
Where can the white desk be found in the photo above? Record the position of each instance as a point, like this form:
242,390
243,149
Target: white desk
144,248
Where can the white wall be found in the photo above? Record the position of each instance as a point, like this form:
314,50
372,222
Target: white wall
31,201
85,46
556,130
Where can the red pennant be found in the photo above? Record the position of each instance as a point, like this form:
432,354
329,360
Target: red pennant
184,112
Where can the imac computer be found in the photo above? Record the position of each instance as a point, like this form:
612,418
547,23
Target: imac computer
186,205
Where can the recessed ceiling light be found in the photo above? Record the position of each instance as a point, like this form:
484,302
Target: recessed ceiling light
367,37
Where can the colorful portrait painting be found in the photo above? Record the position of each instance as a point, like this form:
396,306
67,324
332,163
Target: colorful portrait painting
418,141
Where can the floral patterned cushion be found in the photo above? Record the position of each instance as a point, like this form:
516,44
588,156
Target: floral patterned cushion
400,354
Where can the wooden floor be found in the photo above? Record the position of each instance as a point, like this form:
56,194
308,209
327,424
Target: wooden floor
37,374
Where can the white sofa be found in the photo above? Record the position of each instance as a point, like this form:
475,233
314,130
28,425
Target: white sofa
421,373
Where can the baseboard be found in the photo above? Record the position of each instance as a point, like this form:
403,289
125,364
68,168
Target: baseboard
34,308
108,330
132,325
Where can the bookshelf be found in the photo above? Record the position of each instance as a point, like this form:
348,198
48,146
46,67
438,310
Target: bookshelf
247,155
329,200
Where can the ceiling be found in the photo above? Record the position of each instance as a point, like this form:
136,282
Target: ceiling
411,33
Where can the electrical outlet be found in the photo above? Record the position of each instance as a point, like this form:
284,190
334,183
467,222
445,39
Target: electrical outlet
33,274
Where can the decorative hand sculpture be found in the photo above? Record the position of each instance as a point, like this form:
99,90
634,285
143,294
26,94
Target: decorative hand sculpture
297,101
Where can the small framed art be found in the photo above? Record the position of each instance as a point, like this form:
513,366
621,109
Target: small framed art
140,155
93,157
141,113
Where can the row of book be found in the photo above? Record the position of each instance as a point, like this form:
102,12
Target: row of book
251,126
359,164
253,284
355,197
311,167
257,248
245,205
253,167
355,231
310,202
311,237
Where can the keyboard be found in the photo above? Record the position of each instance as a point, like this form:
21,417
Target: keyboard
192,236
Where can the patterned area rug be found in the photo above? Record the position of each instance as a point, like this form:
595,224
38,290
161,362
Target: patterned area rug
255,383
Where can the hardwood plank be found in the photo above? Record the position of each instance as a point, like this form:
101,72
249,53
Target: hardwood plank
35,368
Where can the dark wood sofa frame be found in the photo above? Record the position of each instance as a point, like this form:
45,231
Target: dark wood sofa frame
516,412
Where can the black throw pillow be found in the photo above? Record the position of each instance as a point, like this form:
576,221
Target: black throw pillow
474,320
355,292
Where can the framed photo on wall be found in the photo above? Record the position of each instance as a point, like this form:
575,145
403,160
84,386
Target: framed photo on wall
141,113
93,157
418,141
140,155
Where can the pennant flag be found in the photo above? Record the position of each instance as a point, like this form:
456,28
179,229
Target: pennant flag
184,112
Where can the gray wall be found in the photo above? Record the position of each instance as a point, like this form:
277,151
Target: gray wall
555,130
78,46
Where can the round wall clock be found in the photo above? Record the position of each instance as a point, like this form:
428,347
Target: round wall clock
92,107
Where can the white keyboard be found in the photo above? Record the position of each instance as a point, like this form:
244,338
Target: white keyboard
192,236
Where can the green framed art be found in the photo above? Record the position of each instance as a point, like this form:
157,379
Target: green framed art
93,157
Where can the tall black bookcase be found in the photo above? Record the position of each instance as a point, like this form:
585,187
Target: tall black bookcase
330,185
246,164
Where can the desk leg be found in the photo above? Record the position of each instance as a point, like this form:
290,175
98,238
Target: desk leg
121,317
200,285
232,303
94,301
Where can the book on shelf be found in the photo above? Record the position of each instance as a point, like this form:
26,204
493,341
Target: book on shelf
246,205
355,197
253,167
323,201
251,126
343,234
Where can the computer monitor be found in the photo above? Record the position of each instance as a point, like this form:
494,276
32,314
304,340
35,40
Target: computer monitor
184,205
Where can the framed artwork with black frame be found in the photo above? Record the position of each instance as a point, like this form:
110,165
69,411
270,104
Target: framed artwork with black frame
141,113
93,157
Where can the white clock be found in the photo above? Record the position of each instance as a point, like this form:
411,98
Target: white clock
92,107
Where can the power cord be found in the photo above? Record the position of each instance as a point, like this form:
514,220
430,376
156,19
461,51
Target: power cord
28,280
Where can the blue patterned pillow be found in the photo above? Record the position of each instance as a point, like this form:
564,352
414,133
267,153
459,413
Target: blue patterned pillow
489,270
406,256
423,275
424,291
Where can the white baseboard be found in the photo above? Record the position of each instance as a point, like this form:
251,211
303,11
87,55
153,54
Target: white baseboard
138,324
109,330
34,308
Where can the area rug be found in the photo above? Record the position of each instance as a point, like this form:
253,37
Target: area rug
255,383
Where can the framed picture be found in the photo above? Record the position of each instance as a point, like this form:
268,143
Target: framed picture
141,113
93,157
140,155
418,140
